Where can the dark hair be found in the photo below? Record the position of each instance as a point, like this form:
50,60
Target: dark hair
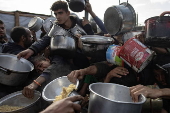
17,32
38,58
59,5
1,22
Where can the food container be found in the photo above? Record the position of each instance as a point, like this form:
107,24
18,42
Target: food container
157,31
112,98
54,88
14,71
112,55
18,99
35,23
136,54
62,42
119,19
95,45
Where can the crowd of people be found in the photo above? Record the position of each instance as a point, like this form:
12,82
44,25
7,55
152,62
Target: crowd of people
48,67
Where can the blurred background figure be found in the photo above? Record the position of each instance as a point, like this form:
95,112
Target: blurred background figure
3,37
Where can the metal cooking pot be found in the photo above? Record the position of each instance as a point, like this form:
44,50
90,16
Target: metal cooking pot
63,45
12,70
95,45
18,99
48,23
110,98
76,5
77,30
157,31
119,19
35,23
62,42
57,30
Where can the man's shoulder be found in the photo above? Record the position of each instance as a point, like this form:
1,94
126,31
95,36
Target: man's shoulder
77,20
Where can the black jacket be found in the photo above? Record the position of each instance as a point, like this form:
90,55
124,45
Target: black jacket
12,48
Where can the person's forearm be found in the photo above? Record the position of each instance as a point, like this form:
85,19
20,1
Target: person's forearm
107,79
100,24
37,82
91,70
40,79
92,14
40,45
165,93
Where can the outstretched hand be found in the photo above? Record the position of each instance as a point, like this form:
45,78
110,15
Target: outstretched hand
25,54
76,74
135,91
66,105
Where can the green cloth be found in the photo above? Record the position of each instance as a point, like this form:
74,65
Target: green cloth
90,79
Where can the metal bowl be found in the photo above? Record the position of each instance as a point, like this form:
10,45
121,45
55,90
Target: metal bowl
17,99
54,88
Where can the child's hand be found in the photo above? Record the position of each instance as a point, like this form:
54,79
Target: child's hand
28,91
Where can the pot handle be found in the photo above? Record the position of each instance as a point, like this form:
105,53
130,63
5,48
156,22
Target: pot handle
5,71
166,12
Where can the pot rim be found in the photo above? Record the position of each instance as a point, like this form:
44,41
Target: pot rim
18,93
157,17
43,92
143,100
105,40
22,59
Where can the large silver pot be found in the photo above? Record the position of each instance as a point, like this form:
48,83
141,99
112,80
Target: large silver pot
119,19
62,42
112,98
18,99
95,44
12,70
63,45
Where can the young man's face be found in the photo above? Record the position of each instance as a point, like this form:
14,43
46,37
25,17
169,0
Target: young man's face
2,30
42,65
61,16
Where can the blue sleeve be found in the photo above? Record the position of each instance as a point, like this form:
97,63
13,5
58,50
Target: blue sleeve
40,45
100,24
